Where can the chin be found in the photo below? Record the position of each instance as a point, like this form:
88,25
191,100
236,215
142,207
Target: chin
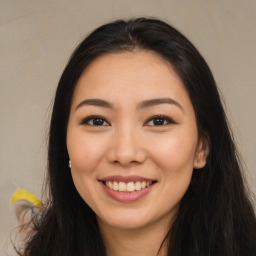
126,223
124,220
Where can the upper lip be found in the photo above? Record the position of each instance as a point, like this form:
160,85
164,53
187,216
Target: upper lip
126,179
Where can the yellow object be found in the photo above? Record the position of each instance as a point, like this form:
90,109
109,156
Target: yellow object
22,194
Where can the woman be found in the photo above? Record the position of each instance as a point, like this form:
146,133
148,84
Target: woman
141,160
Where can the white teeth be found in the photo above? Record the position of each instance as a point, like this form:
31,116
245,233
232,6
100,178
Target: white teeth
138,185
130,187
115,186
110,185
122,186
127,187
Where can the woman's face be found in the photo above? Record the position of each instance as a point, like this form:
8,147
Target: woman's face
132,139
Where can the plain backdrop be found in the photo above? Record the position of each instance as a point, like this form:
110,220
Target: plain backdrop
37,38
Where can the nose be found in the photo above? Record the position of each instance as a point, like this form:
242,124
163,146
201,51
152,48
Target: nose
126,147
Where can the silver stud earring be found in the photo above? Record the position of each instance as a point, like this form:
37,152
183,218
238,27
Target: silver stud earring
69,163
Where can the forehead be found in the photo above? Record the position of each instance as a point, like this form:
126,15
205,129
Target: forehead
129,76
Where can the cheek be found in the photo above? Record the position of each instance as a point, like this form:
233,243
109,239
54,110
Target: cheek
174,151
85,152
175,160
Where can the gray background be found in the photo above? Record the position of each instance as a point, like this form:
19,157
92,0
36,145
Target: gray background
37,38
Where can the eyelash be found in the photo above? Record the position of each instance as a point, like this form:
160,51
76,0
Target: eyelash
167,120
163,118
92,118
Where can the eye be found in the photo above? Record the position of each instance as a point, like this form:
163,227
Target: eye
159,120
95,121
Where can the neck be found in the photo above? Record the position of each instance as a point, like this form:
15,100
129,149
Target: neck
136,242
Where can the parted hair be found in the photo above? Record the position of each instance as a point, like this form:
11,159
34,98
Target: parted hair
216,215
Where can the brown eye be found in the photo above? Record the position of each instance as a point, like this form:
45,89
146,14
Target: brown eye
159,121
98,121
95,121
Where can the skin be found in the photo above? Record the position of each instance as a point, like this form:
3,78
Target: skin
129,143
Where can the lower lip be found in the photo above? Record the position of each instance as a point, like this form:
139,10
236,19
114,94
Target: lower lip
127,196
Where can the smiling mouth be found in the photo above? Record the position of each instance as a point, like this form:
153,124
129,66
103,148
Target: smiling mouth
129,186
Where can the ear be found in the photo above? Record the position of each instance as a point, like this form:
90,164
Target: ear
202,152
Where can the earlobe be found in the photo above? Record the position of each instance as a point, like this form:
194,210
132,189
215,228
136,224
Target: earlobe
202,152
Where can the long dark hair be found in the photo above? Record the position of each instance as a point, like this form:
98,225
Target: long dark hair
215,216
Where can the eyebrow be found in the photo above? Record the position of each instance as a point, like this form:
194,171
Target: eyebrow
141,105
95,102
153,102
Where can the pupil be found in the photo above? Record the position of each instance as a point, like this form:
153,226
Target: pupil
158,121
98,121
